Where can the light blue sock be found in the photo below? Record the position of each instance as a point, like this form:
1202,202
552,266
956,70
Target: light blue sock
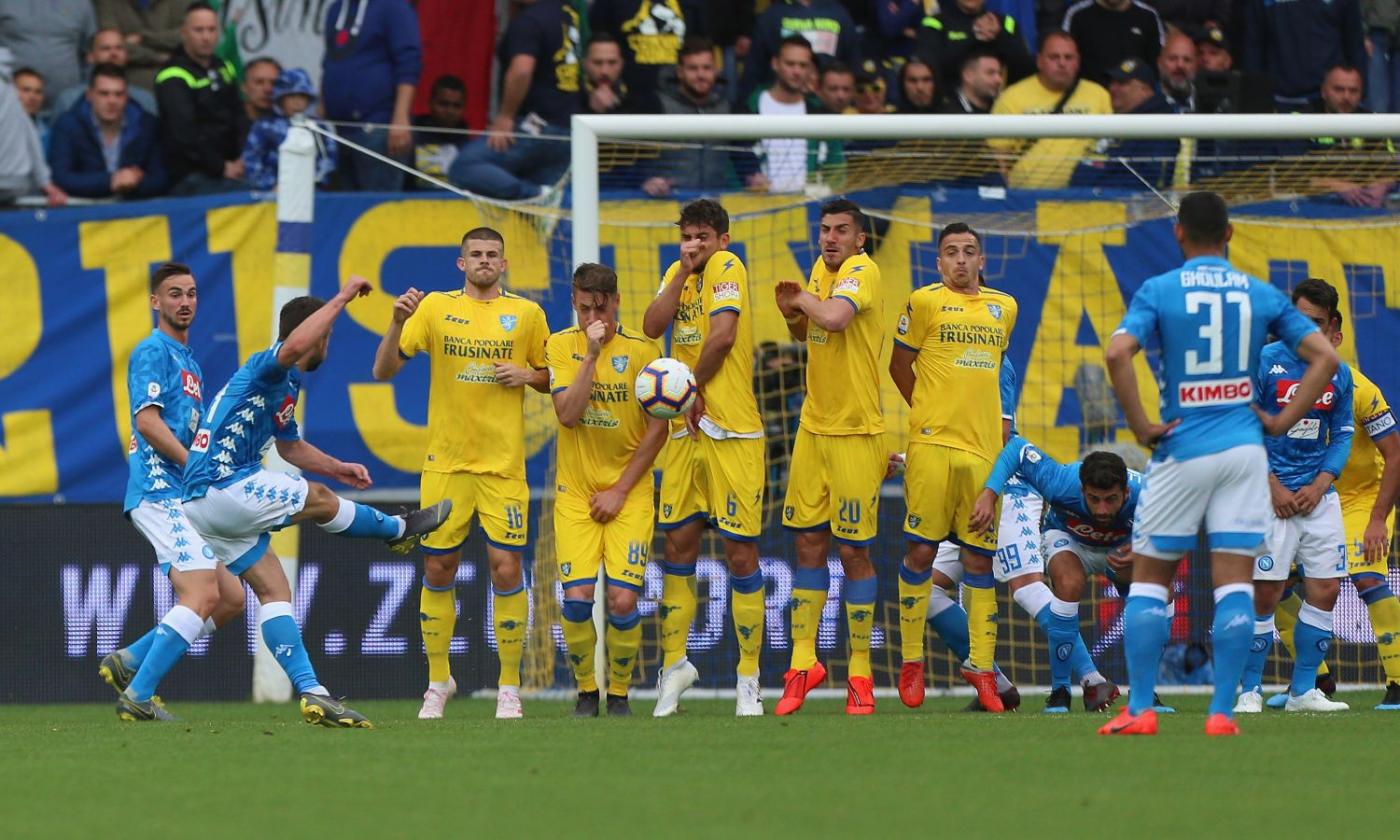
1231,635
283,637
1081,664
1063,631
135,653
951,626
357,520
1259,647
1146,629
173,636
1311,638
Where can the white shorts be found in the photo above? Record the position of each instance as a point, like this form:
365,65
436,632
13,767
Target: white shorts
1227,491
178,545
1316,542
1094,558
235,520
1018,543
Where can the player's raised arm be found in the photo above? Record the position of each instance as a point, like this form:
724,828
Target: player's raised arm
388,359
309,458
662,309
571,399
315,328
786,293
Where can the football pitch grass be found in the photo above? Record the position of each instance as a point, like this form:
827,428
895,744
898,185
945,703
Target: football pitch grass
245,770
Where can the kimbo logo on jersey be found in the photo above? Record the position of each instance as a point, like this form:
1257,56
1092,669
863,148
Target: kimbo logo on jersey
1208,392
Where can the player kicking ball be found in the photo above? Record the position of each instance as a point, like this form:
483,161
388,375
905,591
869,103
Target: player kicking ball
839,457
165,387
1209,467
1306,526
234,504
603,507
713,466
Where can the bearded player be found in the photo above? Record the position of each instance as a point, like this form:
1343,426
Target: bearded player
485,346
713,467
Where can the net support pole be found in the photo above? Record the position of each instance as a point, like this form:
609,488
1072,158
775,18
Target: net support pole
296,194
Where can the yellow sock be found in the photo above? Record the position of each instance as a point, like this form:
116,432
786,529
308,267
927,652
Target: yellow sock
580,638
746,601
1285,619
860,617
1385,622
437,616
980,599
677,611
913,612
807,607
624,638
510,613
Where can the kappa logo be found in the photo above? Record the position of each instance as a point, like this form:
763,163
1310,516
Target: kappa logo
508,322
1237,621
619,363
1277,370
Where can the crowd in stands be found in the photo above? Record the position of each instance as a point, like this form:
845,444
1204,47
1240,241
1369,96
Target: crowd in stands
111,99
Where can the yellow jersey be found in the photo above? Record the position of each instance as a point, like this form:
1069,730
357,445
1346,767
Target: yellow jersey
1049,163
960,340
843,368
722,286
1361,477
592,455
475,424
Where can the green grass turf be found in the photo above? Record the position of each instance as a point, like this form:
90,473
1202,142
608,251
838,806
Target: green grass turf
251,771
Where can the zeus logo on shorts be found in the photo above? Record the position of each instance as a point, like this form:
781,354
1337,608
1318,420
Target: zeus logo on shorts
1211,392
285,413
191,384
1288,389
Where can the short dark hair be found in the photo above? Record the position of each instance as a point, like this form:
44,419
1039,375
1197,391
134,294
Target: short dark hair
447,81
595,278
106,70
960,227
1204,217
1045,37
913,60
975,55
294,312
1345,67
1322,294
1103,471
838,67
262,59
694,44
601,37
486,233
705,212
796,40
845,205
167,270
27,71
199,6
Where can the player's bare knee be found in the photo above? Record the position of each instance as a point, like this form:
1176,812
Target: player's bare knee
1322,592
919,558
812,548
505,569
441,569
268,581
1067,577
683,544
976,564
855,561
943,582
742,557
621,600
322,504
1266,596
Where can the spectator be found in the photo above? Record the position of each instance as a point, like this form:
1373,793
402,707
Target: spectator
898,23
29,86
108,47
259,77
1297,43
523,155
871,95
1110,32
106,145
945,39
373,56
1132,87
1054,89
785,162
730,25
825,24
918,88
292,94
1177,68
22,167
1382,21
604,91
151,29
650,33
1191,15
1213,49
695,88
836,87
433,148
202,117
1365,179
983,77
49,36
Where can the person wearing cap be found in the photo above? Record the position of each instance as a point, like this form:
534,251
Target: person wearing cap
1213,48
871,95
1132,87
292,94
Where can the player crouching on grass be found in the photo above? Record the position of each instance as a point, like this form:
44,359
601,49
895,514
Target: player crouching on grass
603,507
235,504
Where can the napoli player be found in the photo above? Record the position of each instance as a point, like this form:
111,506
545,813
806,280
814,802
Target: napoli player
165,389
1306,528
1208,465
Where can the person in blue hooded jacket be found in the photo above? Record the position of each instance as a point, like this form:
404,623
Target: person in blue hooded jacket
106,145
292,94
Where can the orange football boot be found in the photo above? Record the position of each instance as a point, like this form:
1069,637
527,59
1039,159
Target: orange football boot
986,684
860,696
796,684
1221,724
1127,723
911,684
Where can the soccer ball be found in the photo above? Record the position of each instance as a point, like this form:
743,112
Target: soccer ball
666,389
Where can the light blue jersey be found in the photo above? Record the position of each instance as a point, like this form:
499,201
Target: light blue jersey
162,372
258,404
1014,487
1060,486
1210,322
1321,441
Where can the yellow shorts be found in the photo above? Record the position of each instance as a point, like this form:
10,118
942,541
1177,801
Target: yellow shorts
834,482
1356,515
683,492
502,505
734,479
940,486
621,546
